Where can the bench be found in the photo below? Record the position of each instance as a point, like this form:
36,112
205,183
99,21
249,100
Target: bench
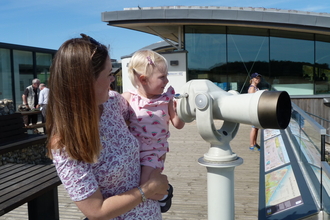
26,183
30,128
32,184
40,125
13,134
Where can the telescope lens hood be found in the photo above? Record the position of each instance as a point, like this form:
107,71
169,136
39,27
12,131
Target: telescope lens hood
274,109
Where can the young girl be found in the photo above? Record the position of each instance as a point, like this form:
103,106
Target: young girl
151,110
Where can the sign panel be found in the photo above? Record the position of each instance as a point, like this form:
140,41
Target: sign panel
282,191
275,153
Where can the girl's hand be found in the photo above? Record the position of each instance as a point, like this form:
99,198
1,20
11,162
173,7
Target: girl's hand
174,105
163,158
175,119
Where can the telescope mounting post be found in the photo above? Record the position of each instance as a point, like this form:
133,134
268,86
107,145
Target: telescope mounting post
219,161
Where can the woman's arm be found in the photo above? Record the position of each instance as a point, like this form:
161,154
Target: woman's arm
252,89
95,207
176,121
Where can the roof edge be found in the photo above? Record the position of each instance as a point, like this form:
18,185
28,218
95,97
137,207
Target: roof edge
261,9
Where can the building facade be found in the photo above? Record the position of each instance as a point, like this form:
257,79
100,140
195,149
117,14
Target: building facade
290,49
295,62
19,65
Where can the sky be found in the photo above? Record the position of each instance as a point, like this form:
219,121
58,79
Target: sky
47,24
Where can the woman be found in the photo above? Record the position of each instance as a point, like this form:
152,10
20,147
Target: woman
254,81
96,157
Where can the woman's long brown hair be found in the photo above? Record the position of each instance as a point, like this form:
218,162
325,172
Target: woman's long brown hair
72,117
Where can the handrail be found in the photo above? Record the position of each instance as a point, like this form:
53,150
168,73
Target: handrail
326,168
316,125
323,119
320,118
315,163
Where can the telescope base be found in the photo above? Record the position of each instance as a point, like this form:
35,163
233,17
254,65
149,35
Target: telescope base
220,188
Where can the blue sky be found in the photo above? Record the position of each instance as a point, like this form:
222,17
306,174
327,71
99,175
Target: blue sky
47,24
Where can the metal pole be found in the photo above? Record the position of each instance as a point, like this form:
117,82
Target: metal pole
220,188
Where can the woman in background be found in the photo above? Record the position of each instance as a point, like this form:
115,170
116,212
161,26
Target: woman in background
254,81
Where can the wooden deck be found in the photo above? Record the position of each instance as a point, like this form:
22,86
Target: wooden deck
189,179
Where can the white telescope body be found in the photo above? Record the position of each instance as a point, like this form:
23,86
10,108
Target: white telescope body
203,101
263,109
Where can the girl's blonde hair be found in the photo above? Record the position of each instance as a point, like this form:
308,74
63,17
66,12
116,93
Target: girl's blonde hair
72,118
143,62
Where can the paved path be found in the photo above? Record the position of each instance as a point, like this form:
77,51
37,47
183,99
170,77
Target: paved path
189,179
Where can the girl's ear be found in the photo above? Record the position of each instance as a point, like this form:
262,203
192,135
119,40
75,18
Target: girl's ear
143,79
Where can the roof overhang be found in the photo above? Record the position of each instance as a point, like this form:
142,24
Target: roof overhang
167,22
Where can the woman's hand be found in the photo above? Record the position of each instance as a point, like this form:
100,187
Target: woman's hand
95,206
157,184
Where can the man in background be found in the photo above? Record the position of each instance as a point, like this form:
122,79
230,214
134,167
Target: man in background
43,100
30,100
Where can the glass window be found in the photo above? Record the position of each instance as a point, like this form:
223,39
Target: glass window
6,91
206,46
247,54
44,62
298,63
322,64
292,62
23,71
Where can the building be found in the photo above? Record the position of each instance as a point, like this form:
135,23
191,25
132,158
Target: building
176,69
19,65
290,49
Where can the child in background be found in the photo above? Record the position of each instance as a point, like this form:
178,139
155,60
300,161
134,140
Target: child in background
151,110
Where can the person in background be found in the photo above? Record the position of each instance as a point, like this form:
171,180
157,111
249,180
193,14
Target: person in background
254,81
151,111
94,153
30,100
43,100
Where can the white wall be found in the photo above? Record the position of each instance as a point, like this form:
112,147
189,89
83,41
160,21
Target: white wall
127,85
177,75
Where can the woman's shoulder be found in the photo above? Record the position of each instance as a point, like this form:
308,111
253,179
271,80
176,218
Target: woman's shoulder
114,95
127,95
252,89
